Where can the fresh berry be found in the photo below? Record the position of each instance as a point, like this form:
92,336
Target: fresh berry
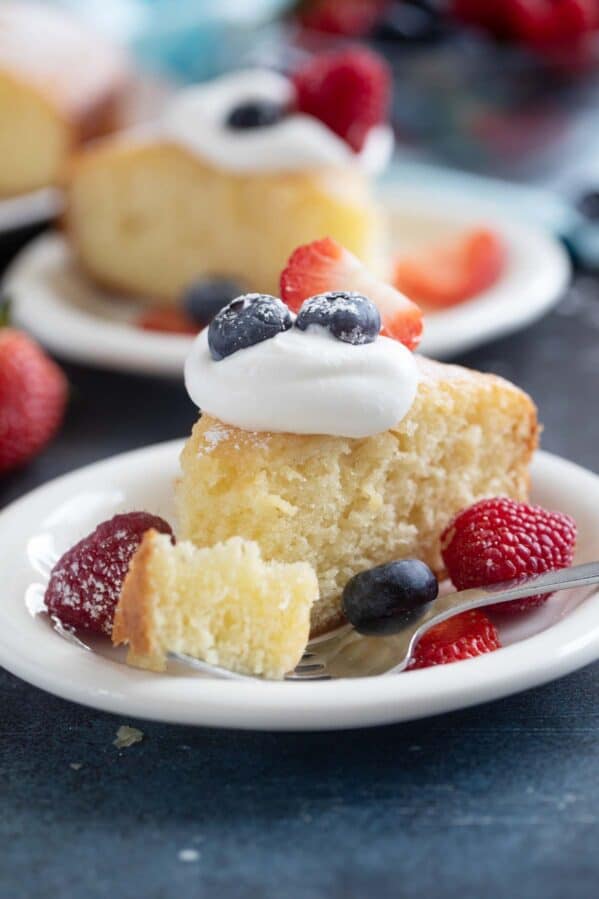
588,205
462,637
453,271
494,17
547,24
170,321
255,114
248,320
324,265
349,91
207,296
351,18
349,317
85,584
500,539
33,397
410,22
382,600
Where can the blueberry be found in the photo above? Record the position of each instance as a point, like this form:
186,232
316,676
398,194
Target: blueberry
382,600
255,114
350,317
588,204
245,321
412,21
207,296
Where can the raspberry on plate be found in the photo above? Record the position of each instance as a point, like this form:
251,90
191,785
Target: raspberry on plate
500,539
348,90
33,397
324,265
86,582
352,18
462,637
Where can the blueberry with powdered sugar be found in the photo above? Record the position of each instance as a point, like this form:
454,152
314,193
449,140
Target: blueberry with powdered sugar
348,316
246,321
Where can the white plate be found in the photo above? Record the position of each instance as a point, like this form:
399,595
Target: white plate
30,209
75,320
547,643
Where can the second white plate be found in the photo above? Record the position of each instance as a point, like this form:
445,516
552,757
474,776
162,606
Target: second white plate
78,322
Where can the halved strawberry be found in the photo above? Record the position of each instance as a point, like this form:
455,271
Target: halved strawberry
452,271
462,637
325,265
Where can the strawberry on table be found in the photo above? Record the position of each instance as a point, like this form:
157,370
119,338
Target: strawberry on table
33,397
462,637
352,18
501,539
348,90
324,265
452,271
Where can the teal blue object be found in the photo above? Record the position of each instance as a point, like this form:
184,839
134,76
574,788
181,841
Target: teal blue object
196,39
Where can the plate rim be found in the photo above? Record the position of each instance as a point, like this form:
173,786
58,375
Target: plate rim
85,339
568,645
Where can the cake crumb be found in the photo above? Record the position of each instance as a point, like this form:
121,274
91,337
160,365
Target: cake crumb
126,736
75,766
188,855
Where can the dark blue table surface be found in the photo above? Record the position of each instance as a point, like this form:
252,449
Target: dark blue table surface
495,801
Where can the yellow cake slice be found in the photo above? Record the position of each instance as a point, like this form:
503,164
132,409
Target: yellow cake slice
60,85
223,604
147,218
342,504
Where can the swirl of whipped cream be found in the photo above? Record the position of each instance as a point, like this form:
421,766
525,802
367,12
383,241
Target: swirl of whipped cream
305,382
197,119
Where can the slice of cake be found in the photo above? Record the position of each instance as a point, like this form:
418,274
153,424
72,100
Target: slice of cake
59,86
223,604
342,504
232,178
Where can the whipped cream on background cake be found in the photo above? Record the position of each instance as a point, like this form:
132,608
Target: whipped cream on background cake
197,120
305,382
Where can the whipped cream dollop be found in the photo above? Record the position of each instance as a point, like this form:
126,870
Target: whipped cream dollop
196,119
305,382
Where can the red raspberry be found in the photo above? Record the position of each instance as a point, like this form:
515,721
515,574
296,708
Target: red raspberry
349,91
85,584
499,539
352,18
461,637
33,397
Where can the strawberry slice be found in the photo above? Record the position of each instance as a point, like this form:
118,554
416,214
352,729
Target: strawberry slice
462,637
325,265
453,271
169,321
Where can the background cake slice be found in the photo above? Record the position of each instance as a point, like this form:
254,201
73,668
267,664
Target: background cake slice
223,604
60,85
343,504
148,218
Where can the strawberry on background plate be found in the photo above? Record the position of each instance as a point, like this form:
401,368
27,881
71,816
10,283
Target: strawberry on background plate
33,397
324,265
348,90
352,18
452,271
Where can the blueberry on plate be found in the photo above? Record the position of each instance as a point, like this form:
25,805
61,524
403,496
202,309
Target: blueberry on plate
349,316
382,600
247,320
207,296
255,114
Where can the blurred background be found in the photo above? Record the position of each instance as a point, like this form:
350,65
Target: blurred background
507,89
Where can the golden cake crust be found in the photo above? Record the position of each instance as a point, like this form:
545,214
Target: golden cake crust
344,505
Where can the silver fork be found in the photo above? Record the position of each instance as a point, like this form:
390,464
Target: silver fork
345,653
